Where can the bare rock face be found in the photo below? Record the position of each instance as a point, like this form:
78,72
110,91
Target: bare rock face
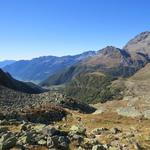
139,44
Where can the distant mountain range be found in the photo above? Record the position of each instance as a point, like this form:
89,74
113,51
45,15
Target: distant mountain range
88,76
38,69
111,60
52,70
6,62
7,81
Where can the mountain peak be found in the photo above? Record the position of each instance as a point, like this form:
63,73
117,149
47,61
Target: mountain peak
109,49
139,44
140,37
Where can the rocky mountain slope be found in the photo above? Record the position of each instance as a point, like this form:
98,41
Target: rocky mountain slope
7,81
139,44
41,68
104,76
14,100
110,60
16,96
139,84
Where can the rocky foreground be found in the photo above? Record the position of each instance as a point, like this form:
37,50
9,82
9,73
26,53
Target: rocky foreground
51,121
77,131
105,129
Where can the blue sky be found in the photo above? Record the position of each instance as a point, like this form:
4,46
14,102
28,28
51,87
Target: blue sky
31,28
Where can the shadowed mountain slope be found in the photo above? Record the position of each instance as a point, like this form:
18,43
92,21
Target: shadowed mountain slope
7,81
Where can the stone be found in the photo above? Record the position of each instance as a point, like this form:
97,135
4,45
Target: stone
3,129
115,130
7,141
78,129
91,135
98,131
137,146
42,142
89,143
77,139
23,127
98,147
58,142
24,139
39,127
112,148
50,143
80,148
49,130
4,122
61,142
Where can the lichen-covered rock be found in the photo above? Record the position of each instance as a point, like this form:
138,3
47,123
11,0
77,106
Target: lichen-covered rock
89,143
49,130
24,139
78,129
58,142
50,143
39,127
42,142
7,141
98,147
129,112
115,130
77,139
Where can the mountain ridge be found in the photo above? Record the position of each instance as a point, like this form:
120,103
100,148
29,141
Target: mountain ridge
40,68
6,62
110,60
139,44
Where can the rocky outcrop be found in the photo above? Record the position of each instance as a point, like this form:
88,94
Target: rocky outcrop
7,141
40,114
49,137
